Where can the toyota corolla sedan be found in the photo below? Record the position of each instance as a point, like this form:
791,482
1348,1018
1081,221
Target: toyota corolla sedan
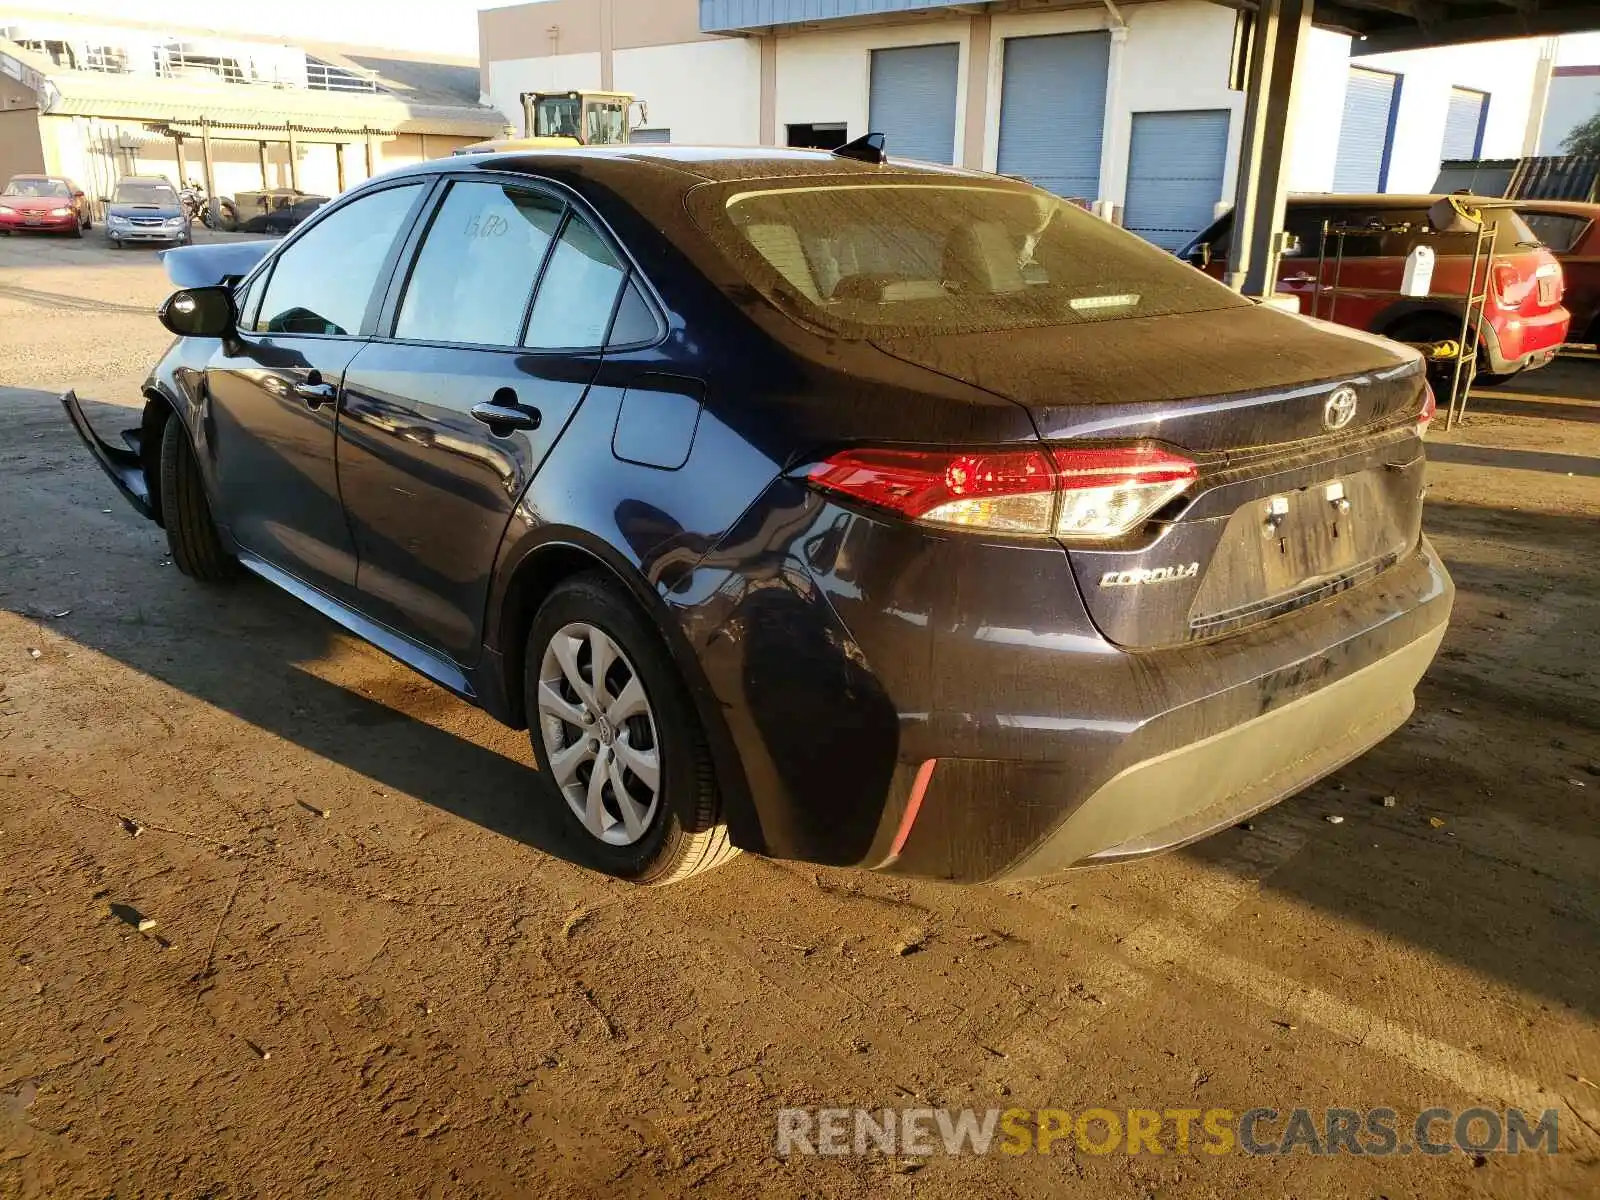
823,506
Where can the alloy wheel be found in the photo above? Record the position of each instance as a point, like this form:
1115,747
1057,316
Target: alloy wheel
599,734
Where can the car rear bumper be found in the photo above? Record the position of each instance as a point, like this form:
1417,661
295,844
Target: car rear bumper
1521,343
1220,737
896,698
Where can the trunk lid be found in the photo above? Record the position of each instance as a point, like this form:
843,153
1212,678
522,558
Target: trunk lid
1295,501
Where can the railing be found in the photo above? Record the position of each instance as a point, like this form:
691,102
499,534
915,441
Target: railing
326,77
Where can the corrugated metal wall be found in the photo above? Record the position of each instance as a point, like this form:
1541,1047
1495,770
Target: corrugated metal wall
913,101
1053,110
1362,161
1175,166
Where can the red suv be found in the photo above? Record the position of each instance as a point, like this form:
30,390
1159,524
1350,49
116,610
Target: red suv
1524,321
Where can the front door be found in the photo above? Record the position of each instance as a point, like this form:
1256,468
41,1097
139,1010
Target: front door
272,393
445,422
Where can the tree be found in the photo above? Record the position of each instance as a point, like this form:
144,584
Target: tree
1585,138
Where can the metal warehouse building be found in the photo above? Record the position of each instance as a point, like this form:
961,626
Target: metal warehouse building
97,101
1139,106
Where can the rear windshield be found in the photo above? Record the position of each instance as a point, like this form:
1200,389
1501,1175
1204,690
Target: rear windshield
905,258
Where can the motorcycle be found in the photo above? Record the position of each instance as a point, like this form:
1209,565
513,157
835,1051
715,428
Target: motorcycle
223,215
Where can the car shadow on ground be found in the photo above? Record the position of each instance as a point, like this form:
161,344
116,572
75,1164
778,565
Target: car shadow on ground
258,654
1502,753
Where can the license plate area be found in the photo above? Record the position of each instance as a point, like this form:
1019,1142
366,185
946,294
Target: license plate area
32,219
1298,543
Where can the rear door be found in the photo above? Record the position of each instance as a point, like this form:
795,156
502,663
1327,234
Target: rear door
489,345
273,391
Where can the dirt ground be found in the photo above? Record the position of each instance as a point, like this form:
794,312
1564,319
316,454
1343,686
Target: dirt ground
372,973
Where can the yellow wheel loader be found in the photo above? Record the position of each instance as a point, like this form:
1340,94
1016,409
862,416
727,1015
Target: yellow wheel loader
561,120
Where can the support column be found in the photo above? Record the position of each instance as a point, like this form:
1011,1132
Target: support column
371,157
261,158
768,132
211,182
977,110
294,160
1282,30
183,167
338,162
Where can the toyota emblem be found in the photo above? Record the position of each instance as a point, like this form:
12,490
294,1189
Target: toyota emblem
1340,409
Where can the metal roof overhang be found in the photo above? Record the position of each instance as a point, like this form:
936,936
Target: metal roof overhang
1383,25
1387,25
244,111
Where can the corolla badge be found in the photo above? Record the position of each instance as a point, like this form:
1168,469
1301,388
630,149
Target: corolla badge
1144,575
1340,408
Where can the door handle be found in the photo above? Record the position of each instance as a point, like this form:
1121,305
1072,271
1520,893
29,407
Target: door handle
502,418
315,393
1300,278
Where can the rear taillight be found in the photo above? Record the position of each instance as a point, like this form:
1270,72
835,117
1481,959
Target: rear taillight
1507,285
1429,407
1079,494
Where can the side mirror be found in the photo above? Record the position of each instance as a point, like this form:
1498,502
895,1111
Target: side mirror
644,115
1200,256
199,312
78,195
1293,247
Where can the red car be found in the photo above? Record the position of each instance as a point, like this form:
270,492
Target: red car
46,203
1524,320
1571,229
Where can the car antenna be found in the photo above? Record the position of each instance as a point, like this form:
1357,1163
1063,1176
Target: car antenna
869,148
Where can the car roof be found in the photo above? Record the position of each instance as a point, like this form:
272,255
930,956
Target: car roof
145,179
704,163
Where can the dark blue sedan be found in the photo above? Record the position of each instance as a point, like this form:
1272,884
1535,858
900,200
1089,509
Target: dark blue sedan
832,508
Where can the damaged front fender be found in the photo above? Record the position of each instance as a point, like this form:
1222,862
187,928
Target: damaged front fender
124,464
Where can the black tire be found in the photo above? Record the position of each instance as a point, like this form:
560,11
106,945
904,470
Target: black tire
77,230
685,834
192,537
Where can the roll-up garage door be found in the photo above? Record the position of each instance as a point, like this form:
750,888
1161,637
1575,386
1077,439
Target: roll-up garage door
913,100
1053,111
1175,174
1463,123
1362,162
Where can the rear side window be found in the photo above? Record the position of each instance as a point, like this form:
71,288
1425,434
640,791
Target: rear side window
1560,231
911,257
323,281
578,292
478,264
1395,232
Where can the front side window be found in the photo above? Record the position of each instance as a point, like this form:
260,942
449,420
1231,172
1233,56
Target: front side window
578,292
606,122
478,264
323,281
557,117
912,257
